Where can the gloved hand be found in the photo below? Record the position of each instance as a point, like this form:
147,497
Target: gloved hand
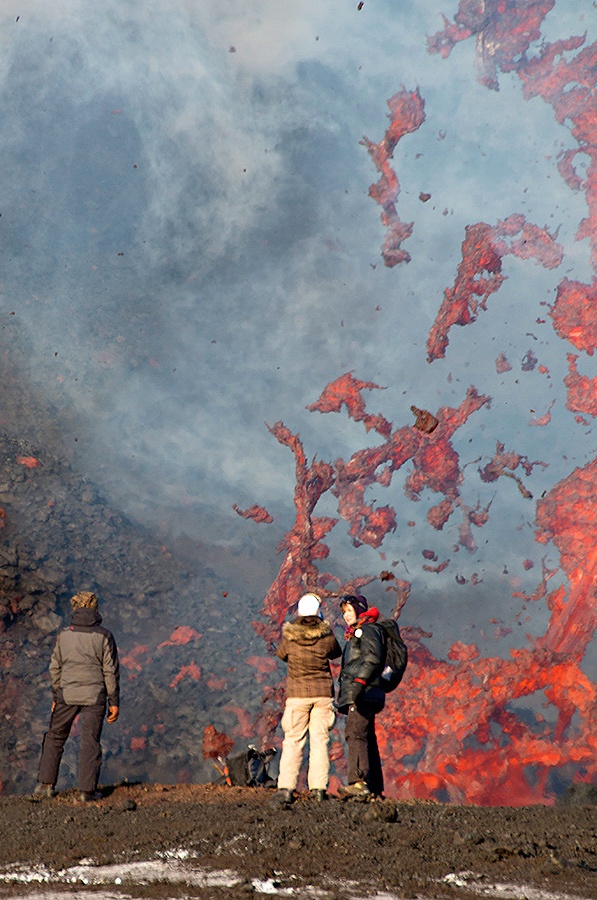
112,714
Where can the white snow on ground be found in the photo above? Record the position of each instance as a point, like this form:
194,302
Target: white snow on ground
480,888
179,867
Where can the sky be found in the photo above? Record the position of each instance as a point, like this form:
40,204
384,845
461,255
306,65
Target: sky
190,252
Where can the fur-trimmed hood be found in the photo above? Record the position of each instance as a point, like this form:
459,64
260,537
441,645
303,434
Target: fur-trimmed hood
306,628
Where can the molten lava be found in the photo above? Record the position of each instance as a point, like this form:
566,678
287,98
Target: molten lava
257,513
479,273
215,743
407,114
29,462
182,634
190,671
452,731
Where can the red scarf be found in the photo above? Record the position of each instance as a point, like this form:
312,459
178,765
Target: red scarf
368,617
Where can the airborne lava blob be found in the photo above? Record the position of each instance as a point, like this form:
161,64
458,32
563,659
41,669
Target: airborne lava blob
407,114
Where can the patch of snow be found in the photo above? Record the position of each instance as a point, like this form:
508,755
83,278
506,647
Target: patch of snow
479,888
178,866
80,895
170,871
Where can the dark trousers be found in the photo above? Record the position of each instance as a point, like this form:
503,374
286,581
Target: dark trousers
90,750
364,762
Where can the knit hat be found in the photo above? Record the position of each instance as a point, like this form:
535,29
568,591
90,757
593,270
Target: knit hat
358,603
308,605
84,600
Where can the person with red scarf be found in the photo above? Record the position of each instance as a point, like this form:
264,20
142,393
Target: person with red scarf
361,695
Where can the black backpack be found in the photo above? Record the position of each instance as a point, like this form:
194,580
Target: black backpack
247,769
396,656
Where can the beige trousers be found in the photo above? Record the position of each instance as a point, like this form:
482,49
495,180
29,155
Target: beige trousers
313,716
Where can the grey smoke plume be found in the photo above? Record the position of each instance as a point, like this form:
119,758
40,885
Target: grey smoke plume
189,250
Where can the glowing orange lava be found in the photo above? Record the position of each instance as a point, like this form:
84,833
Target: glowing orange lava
453,731
407,114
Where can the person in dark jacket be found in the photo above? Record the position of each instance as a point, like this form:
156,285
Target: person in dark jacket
307,645
84,670
361,695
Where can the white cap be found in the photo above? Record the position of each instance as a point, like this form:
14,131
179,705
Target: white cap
308,605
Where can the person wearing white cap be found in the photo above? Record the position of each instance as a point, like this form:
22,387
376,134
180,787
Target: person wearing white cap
308,644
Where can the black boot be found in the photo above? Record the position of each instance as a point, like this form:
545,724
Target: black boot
356,791
285,797
318,794
90,796
44,790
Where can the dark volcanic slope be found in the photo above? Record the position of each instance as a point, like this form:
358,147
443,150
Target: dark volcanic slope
59,534
407,848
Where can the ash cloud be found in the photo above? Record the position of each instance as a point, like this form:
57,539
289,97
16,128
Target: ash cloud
187,240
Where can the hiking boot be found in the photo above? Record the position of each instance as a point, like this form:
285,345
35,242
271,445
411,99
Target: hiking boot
44,790
285,797
90,796
318,794
356,791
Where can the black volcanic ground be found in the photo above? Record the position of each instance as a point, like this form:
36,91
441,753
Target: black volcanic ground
407,849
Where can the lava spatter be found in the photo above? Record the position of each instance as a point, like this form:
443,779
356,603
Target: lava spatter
582,391
407,114
551,664
191,671
347,391
573,314
568,85
480,272
435,467
504,463
257,513
182,634
503,32
303,543
453,731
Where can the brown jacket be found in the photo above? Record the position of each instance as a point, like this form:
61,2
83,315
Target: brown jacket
307,645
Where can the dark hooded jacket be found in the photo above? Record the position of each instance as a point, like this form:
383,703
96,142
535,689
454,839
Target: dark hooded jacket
363,660
84,663
307,645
